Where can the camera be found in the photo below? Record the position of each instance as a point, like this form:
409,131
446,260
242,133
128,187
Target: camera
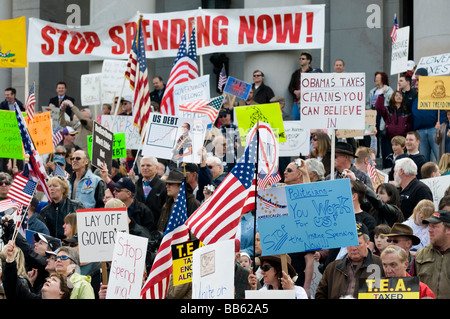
210,189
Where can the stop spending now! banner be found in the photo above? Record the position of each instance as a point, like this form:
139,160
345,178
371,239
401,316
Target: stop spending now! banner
226,30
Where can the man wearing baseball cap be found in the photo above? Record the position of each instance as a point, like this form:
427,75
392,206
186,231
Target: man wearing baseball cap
432,262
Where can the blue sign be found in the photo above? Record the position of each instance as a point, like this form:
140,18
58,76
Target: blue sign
306,217
237,88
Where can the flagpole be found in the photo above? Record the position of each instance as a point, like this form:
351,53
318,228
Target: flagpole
256,195
333,151
196,45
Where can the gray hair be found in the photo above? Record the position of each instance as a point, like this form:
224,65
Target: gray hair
407,165
314,165
153,159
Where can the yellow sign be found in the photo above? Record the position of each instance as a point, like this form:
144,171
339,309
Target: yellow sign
389,288
434,93
247,116
182,261
13,43
41,132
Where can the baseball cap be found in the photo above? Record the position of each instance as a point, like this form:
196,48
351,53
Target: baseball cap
125,182
68,130
441,216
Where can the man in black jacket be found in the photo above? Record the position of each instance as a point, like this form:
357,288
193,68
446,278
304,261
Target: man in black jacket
150,189
61,89
10,99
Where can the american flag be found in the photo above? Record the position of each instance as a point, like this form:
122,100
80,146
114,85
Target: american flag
270,178
30,103
8,204
35,165
222,79
218,217
22,190
394,29
57,137
210,108
184,68
371,171
176,232
249,203
137,73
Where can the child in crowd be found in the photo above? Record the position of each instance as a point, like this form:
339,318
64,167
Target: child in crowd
245,260
423,210
380,239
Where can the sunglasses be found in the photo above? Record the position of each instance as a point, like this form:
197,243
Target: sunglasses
5,183
395,241
289,170
64,257
210,166
257,75
266,267
76,158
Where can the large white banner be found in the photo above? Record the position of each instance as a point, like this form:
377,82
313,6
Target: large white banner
225,30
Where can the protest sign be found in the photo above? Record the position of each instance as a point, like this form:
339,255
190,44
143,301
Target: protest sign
11,141
41,132
174,138
306,217
248,116
237,88
191,91
369,129
268,149
113,81
119,149
54,114
434,93
123,124
333,100
102,146
389,288
435,65
222,30
182,261
91,89
97,230
213,271
127,267
399,57
297,139
438,186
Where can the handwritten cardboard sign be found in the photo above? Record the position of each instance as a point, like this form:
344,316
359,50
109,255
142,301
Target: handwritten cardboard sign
333,100
213,271
306,217
191,91
41,132
11,141
97,230
127,267
297,139
435,65
389,288
438,186
123,124
91,89
399,57
369,129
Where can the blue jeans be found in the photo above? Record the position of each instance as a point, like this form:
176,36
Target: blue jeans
295,111
428,146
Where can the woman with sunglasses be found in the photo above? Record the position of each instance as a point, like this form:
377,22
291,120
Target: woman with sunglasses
276,279
67,262
321,144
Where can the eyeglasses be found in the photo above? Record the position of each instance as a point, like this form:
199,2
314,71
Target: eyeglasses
266,267
5,183
222,116
64,257
76,158
118,190
60,153
290,170
257,75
